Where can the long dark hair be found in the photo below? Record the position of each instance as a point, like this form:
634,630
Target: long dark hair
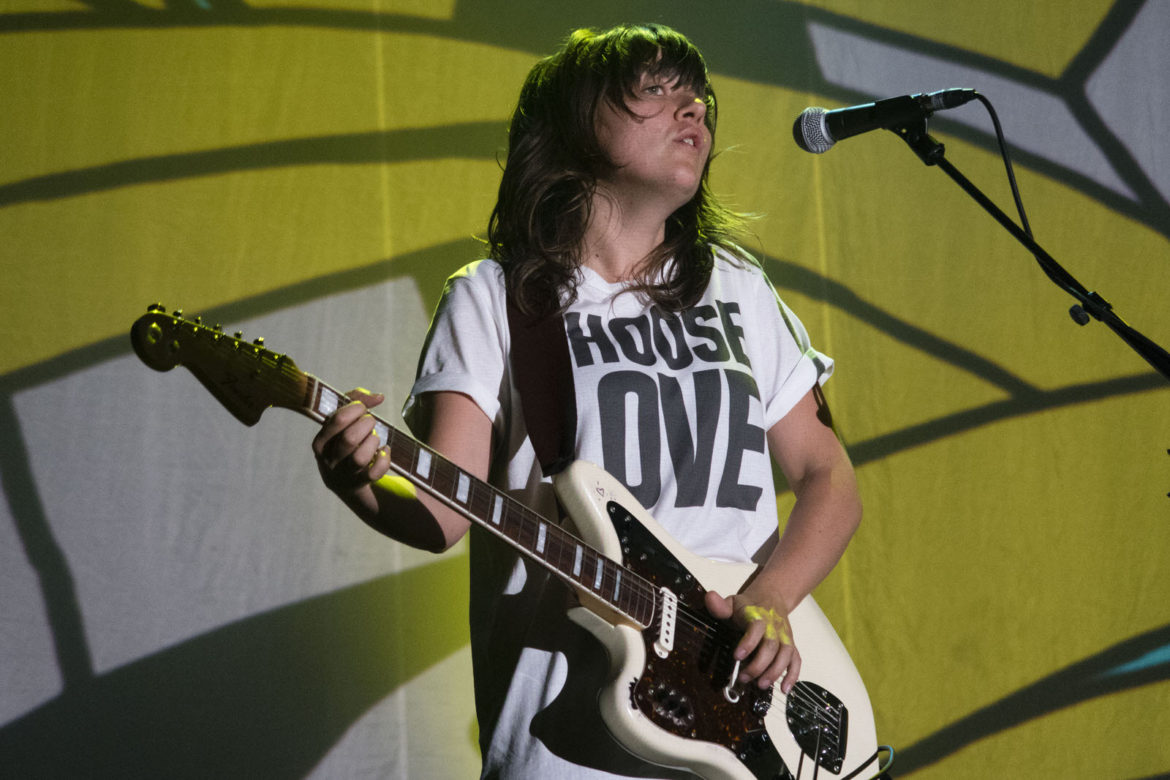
555,161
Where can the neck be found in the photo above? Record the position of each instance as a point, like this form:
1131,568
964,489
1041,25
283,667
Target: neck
620,236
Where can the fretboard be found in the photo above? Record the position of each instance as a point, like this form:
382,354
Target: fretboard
535,537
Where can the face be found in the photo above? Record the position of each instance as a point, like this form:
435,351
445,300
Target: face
661,150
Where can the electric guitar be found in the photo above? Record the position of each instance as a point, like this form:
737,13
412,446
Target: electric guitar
672,696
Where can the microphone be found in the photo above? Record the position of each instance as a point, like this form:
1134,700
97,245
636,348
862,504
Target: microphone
816,129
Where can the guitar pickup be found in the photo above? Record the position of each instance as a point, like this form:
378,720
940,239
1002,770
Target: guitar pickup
664,644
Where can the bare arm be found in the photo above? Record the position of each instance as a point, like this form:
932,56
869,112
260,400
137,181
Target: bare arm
353,462
826,513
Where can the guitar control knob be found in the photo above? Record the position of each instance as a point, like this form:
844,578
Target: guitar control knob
156,307
258,341
178,314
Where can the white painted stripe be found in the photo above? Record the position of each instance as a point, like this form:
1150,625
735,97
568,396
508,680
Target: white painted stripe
497,508
880,68
577,561
464,487
541,533
423,467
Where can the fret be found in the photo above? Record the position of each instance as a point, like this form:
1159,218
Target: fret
445,478
560,542
310,392
525,533
479,500
402,449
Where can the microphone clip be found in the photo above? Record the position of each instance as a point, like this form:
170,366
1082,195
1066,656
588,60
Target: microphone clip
915,134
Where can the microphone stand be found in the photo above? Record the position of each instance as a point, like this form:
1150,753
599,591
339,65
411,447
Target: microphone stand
931,152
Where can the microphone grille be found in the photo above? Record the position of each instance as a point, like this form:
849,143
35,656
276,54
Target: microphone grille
810,132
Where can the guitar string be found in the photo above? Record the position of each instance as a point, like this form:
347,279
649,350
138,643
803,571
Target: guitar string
638,591
643,591
725,638
800,695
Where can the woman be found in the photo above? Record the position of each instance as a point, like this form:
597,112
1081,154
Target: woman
687,372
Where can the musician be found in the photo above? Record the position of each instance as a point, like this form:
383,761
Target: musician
688,373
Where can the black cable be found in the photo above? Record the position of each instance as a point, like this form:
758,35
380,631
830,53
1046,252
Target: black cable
1007,163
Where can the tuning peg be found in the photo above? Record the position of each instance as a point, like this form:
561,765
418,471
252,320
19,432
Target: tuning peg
258,341
217,328
178,314
239,334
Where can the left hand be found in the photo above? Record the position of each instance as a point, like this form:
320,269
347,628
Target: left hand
766,652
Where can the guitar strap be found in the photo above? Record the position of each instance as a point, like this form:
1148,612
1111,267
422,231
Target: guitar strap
544,378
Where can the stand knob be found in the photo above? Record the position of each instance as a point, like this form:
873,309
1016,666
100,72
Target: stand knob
1079,315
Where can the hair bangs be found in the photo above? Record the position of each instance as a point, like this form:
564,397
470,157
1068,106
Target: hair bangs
630,53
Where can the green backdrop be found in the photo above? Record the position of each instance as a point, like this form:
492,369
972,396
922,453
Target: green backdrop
180,597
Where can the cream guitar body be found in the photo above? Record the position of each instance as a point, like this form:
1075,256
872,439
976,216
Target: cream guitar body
675,709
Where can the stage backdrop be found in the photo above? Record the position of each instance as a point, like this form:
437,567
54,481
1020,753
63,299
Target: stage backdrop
179,596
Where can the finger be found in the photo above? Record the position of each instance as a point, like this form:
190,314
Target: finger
778,667
380,465
366,451
749,643
368,462
335,423
792,675
718,606
344,446
761,658
368,398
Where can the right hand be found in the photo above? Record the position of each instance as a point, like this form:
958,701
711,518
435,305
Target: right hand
349,453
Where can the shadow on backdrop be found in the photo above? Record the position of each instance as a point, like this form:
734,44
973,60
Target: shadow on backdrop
765,41
267,696
271,694
173,708
1143,660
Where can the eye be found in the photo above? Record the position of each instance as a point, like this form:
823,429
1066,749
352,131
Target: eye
654,89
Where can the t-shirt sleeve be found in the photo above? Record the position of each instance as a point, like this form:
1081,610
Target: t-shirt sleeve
465,348
792,364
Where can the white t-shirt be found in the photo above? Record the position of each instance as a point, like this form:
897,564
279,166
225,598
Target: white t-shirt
676,406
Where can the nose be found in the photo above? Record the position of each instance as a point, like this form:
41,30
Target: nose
693,108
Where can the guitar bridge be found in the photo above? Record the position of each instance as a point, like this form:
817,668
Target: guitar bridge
819,723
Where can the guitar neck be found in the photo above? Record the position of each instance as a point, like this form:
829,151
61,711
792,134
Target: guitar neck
548,544
248,378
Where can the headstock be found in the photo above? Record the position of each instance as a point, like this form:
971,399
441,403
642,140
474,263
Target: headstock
246,377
